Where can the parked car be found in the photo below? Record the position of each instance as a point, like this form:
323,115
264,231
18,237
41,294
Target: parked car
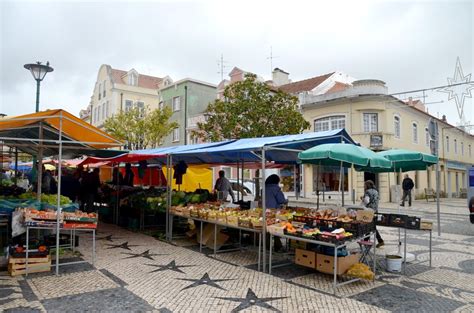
247,189
471,209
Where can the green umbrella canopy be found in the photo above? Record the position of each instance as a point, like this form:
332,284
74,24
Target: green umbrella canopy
405,161
408,160
348,154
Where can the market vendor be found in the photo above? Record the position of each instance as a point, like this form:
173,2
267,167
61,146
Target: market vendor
371,201
274,197
223,185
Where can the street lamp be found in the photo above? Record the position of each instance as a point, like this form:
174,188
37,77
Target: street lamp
38,71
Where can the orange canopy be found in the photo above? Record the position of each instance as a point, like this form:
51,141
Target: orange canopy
72,127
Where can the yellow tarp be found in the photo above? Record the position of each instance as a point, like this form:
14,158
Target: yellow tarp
195,177
72,127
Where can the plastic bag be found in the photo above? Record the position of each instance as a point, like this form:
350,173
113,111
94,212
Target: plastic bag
18,227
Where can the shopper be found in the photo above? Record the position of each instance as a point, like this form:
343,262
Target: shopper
224,186
91,183
117,177
128,179
274,197
46,181
371,200
407,186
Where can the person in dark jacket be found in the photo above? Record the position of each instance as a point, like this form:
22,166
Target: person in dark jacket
224,186
274,197
128,178
371,201
407,186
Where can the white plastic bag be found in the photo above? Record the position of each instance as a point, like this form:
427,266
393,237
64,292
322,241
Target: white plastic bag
18,227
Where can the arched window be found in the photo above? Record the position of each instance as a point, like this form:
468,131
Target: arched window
455,146
329,123
396,126
132,79
427,137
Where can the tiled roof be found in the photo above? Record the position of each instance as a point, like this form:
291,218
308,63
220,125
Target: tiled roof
144,81
305,85
338,86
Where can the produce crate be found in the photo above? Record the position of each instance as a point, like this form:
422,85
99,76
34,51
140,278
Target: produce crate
398,220
276,229
257,224
233,220
359,229
17,266
413,222
244,222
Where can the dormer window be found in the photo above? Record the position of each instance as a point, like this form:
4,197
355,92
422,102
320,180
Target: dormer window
133,79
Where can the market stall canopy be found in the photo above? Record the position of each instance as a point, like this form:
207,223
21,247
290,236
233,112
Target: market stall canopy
406,160
157,155
337,154
278,149
78,137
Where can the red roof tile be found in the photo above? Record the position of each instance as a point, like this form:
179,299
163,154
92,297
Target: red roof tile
144,81
304,85
338,86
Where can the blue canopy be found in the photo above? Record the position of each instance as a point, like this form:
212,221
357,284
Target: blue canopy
279,149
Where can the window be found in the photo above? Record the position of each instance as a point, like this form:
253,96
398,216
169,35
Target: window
176,104
396,126
415,132
330,123
470,150
141,106
100,90
103,91
128,105
132,79
370,122
104,111
462,148
107,109
94,115
175,134
447,143
161,105
455,146
427,137
98,113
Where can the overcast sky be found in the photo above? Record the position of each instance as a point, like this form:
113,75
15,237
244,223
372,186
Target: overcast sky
408,44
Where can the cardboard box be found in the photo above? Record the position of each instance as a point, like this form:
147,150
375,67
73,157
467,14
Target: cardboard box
305,258
426,225
325,263
207,233
366,216
221,240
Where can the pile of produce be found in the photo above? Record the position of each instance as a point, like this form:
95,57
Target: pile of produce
8,190
360,270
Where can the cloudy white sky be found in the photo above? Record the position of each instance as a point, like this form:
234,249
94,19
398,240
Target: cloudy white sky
408,44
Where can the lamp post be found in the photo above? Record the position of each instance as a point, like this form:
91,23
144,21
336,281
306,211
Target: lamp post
38,71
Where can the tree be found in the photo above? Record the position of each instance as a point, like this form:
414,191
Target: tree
138,130
251,109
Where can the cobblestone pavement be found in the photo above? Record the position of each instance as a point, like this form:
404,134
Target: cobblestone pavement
134,272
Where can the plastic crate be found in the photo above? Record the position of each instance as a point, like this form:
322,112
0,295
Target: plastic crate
398,220
413,222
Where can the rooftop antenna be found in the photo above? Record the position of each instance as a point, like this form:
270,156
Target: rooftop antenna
271,57
221,65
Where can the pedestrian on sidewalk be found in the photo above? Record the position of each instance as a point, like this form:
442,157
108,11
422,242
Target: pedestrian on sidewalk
407,186
371,201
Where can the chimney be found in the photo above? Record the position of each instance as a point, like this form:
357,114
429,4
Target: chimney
280,77
444,119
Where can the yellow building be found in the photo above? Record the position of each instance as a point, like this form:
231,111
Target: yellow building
116,90
382,122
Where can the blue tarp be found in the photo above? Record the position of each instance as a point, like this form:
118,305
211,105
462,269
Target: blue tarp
250,149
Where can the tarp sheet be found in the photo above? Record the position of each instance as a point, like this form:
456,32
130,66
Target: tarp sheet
249,149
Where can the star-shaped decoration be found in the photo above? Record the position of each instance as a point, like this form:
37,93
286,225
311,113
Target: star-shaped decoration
250,300
146,254
460,88
204,280
107,238
171,266
124,245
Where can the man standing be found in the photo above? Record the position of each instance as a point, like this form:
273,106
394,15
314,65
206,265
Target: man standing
223,185
407,186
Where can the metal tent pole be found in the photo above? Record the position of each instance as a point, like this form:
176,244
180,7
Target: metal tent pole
341,183
58,209
264,211
39,176
438,211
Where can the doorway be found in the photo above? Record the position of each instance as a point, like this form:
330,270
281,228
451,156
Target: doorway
373,177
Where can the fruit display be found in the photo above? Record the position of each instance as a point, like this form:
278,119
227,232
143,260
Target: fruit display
48,218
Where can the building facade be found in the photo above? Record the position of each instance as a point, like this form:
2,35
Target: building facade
117,90
382,122
188,99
